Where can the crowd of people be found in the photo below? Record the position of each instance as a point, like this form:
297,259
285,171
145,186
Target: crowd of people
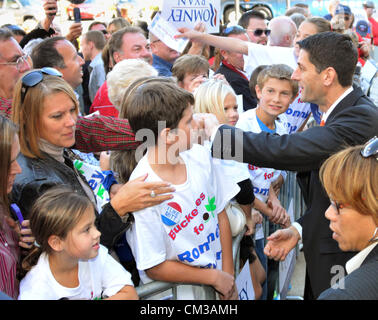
182,141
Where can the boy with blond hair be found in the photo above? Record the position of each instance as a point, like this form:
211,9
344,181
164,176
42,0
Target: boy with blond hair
275,92
187,239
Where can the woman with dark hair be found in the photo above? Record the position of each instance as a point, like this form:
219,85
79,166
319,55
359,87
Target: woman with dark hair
10,233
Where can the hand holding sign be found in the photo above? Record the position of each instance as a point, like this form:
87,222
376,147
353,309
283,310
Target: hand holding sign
166,33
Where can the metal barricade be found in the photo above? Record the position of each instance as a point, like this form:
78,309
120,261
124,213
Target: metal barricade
290,191
169,289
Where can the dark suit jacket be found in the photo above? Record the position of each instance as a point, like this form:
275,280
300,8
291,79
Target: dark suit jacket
353,121
240,86
361,284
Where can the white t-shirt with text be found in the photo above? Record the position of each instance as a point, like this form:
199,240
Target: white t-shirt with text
184,228
99,277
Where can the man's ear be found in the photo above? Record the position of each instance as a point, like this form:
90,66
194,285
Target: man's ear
117,57
224,54
55,243
329,76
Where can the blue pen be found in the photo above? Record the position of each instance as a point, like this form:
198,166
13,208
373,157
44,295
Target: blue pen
17,211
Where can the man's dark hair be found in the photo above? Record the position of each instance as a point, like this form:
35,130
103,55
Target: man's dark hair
331,49
45,54
95,23
244,19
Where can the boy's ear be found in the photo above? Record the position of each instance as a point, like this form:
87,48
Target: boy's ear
168,136
258,91
55,243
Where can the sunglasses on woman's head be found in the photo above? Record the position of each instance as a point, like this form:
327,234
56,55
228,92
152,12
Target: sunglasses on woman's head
34,77
370,148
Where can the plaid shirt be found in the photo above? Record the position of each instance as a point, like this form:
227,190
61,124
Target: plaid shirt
94,133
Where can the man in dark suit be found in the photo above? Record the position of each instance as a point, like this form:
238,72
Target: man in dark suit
325,70
232,67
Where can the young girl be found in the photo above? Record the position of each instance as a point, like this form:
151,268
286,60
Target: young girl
68,261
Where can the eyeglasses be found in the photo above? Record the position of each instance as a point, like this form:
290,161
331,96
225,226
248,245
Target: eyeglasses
34,77
259,32
232,29
337,205
19,63
370,148
104,32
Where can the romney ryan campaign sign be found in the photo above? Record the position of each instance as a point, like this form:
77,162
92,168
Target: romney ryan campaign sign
187,13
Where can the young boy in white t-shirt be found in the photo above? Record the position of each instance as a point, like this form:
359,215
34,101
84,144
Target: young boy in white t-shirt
186,239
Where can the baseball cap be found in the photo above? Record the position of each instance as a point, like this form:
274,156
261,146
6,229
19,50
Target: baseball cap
362,28
369,4
343,9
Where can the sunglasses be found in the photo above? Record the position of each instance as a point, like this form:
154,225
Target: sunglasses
370,148
34,77
259,32
233,29
105,32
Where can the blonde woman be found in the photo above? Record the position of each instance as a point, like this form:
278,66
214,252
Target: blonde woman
45,108
350,178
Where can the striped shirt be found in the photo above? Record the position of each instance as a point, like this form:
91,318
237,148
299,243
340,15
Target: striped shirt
9,258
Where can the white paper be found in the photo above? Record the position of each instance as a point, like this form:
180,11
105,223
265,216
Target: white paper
188,13
166,32
368,71
244,284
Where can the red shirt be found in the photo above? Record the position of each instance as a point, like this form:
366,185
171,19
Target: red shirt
102,104
374,30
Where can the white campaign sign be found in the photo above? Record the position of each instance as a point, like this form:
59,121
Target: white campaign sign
188,13
166,31
244,284
95,178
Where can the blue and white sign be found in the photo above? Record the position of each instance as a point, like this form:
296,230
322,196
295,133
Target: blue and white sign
244,284
188,13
